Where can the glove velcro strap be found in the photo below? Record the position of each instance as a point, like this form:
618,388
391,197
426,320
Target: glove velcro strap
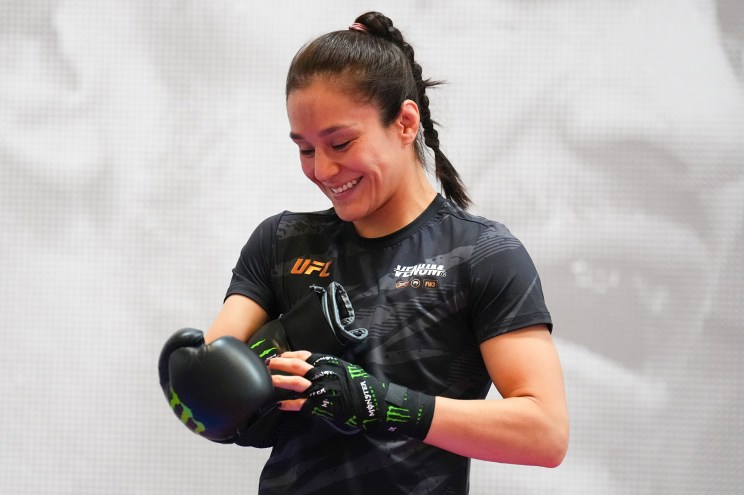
320,321
408,412
337,307
396,394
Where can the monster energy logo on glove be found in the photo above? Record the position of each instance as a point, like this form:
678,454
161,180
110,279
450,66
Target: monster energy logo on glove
350,399
397,414
319,411
186,416
265,353
356,371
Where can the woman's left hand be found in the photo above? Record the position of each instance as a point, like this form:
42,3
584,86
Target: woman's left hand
295,363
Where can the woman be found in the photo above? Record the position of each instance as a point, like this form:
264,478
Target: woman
452,301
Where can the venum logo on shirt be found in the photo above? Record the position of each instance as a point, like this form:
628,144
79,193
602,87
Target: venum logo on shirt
420,275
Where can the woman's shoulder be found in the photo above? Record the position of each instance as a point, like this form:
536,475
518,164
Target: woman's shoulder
485,226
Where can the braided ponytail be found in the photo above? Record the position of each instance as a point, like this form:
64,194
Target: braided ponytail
377,24
380,64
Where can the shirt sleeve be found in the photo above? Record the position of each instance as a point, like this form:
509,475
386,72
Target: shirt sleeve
506,293
251,276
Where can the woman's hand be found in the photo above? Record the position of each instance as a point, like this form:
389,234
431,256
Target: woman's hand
295,364
348,398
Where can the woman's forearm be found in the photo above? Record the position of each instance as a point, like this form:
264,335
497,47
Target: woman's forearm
516,430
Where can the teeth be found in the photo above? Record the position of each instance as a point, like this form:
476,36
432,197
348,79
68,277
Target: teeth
345,187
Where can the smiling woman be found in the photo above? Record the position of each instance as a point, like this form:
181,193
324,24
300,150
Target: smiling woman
377,66
139,140
452,301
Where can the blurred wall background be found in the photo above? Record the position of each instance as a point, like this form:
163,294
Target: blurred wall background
141,142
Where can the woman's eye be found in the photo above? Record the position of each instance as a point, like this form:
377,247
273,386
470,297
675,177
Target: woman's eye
341,146
307,153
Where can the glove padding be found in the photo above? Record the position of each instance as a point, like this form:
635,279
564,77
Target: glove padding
213,388
351,400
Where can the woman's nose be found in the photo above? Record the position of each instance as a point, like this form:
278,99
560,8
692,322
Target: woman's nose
325,166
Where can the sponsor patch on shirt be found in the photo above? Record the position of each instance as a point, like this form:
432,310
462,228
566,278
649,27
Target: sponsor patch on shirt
422,275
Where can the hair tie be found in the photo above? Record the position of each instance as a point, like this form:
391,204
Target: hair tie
358,26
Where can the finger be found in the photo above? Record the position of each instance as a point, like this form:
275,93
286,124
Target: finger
291,404
296,354
293,365
292,382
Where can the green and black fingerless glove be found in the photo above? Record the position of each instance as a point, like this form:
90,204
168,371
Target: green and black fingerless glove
352,400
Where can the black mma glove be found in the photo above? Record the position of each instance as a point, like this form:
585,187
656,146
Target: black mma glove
319,322
352,400
223,391
213,388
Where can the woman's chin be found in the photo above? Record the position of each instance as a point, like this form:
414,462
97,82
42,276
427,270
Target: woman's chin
346,214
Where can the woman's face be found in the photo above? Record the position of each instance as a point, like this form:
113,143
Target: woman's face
364,168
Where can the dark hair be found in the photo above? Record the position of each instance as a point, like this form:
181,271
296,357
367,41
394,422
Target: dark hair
378,65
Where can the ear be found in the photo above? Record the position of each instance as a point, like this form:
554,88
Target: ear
409,121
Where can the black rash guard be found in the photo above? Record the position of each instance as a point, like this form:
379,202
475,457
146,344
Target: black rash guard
429,294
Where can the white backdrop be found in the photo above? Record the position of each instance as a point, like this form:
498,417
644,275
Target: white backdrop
141,142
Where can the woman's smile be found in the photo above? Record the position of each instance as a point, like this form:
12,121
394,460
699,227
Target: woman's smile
345,187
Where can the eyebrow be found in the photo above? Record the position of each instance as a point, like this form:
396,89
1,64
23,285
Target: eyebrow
325,132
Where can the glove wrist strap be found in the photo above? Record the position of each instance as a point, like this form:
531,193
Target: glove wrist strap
408,412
